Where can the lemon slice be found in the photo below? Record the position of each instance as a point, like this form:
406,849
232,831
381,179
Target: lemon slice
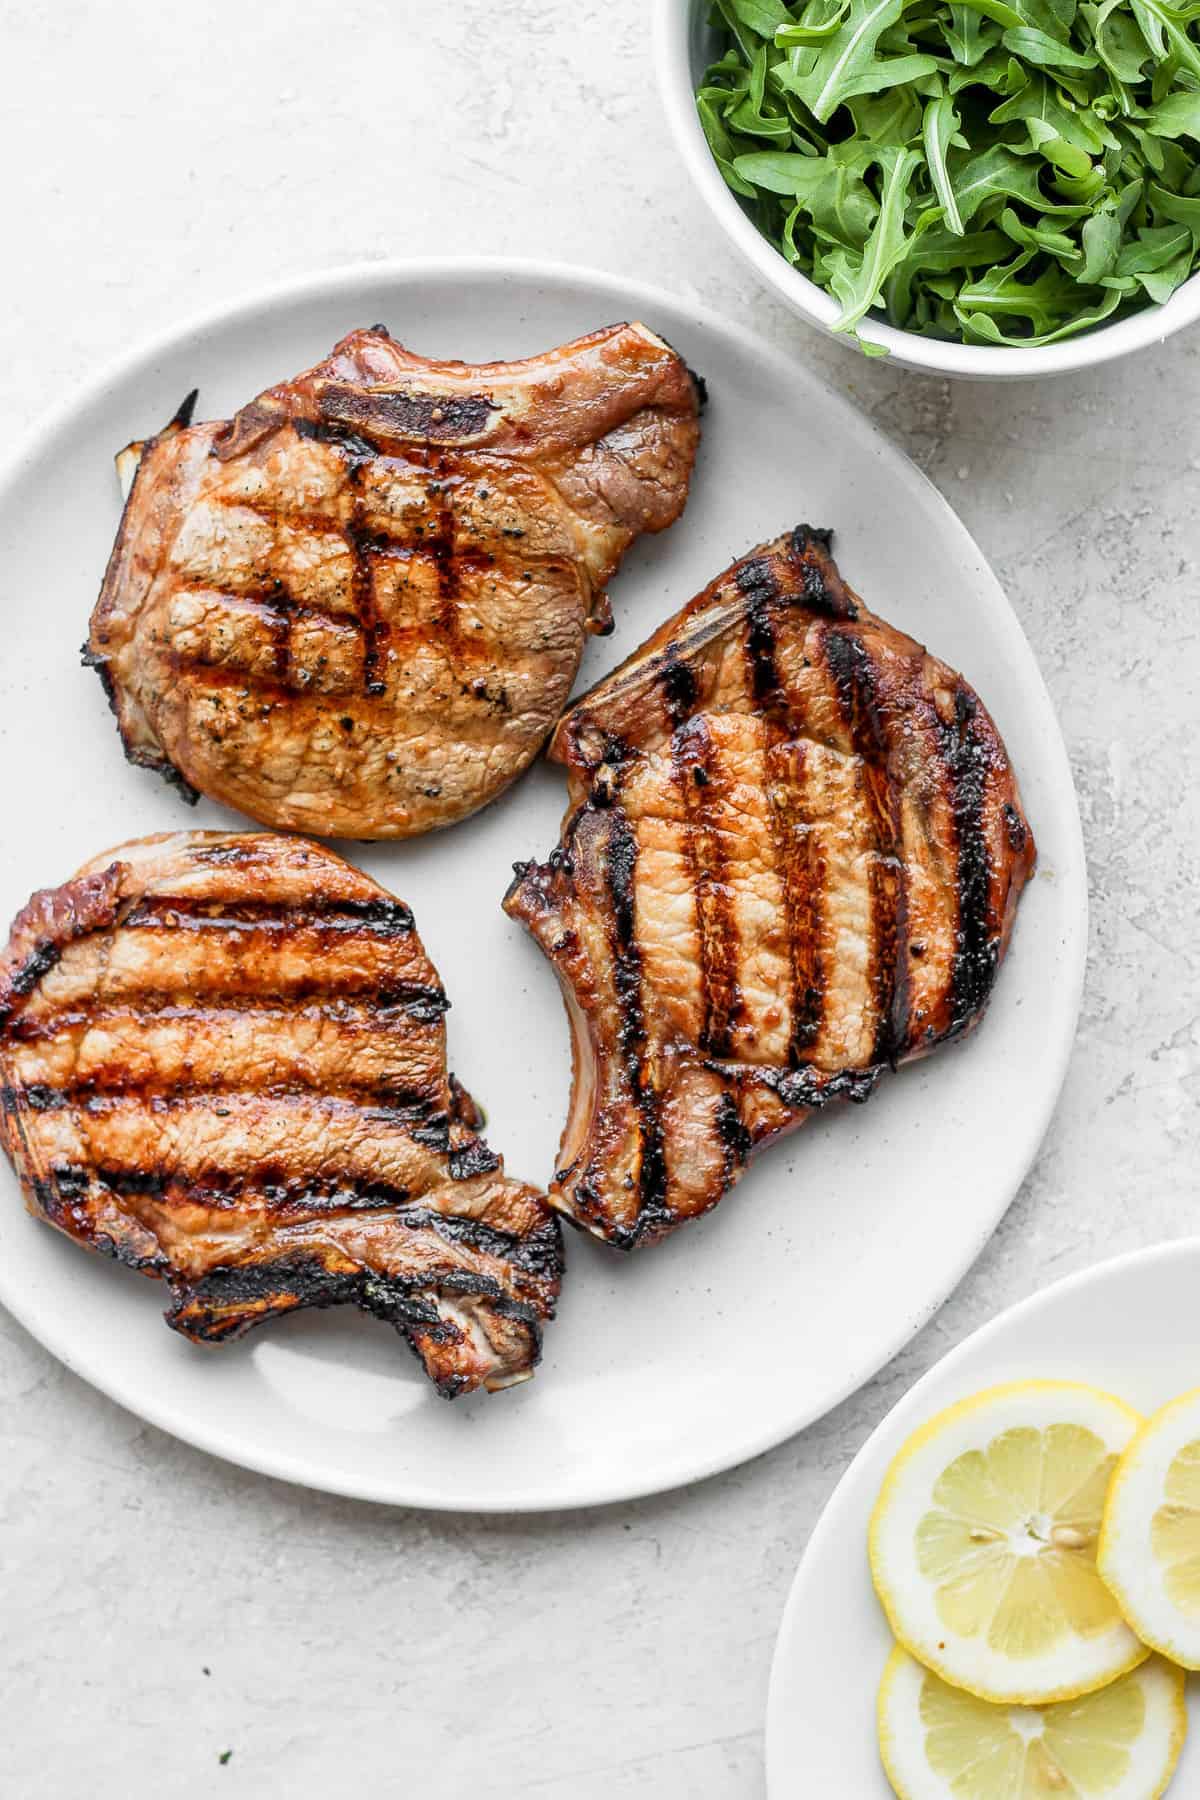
983,1543
938,1743
1150,1542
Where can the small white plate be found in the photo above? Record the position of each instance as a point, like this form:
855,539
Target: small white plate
698,1354
1130,1326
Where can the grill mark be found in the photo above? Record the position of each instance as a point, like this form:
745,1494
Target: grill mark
112,1079
419,1004
265,690
801,870
282,613
795,853
756,581
853,674
382,917
442,546
976,955
620,866
695,766
679,688
180,1100
270,689
378,540
362,597
273,598
735,1140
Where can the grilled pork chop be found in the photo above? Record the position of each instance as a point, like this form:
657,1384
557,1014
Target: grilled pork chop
792,860
358,607
223,1062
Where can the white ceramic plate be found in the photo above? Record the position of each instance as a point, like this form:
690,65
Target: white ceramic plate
1130,1326
742,1329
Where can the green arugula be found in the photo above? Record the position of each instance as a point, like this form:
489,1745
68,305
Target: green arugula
997,171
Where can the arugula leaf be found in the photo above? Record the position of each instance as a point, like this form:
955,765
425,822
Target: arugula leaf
1176,115
1003,171
845,64
857,284
939,130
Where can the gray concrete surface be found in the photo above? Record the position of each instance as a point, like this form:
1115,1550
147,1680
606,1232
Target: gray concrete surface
160,1608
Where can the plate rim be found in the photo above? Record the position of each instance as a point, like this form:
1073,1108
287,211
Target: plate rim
343,279
1166,1250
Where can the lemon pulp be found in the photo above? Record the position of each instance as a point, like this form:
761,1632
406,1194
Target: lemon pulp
1175,1531
1079,1747
1009,1544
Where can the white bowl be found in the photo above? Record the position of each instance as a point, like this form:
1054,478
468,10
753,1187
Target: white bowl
682,41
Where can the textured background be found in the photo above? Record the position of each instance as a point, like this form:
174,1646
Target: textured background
158,159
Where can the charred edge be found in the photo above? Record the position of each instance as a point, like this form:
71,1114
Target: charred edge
539,887
976,955
227,1302
60,1195
93,659
808,1089
854,680
822,587
538,1254
620,863
384,917
1015,829
701,387
431,418
38,963
230,1300
735,1139
464,1108
473,1158
140,759
181,418
692,757
161,765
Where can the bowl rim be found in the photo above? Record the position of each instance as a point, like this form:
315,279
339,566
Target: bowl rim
673,21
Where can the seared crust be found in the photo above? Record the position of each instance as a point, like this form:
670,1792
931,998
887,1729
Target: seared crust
357,607
791,860
223,1062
